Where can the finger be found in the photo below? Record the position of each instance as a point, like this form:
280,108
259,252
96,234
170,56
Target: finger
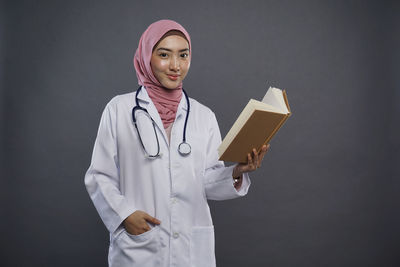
262,154
151,219
249,159
255,158
245,166
146,228
265,149
250,166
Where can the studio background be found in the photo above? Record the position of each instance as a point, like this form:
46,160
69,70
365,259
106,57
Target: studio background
328,191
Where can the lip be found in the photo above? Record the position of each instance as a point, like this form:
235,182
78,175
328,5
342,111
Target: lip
173,77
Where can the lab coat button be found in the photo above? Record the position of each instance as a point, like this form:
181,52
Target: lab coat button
176,235
173,200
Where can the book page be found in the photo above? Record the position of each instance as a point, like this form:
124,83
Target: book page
275,98
263,106
281,100
270,98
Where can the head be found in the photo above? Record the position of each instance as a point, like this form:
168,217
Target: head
170,59
162,58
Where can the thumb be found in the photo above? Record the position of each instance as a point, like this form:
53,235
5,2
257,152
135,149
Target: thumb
151,219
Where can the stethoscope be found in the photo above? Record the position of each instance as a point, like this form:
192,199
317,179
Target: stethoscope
184,148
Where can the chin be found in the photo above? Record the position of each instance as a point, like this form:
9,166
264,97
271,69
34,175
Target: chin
171,86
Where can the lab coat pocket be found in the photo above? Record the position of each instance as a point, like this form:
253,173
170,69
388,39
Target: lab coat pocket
144,236
202,252
136,250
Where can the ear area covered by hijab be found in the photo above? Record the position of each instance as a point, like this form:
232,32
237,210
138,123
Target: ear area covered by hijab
165,100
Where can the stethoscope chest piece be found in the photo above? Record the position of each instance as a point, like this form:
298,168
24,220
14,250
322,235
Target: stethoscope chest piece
184,149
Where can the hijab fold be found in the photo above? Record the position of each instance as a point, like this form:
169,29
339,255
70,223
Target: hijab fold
165,100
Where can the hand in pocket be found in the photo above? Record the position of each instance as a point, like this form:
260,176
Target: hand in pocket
137,222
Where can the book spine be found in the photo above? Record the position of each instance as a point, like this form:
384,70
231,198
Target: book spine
286,101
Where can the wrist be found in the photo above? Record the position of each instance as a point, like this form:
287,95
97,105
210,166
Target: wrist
237,177
236,174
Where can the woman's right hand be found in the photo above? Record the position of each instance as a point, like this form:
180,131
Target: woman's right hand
137,222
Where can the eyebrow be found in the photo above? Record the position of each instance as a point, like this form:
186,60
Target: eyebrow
167,49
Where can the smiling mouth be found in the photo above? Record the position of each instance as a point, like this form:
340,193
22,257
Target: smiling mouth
173,77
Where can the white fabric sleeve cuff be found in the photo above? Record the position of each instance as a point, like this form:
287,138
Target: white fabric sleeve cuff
220,186
244,188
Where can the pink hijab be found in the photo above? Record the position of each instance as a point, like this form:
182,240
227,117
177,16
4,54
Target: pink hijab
165,100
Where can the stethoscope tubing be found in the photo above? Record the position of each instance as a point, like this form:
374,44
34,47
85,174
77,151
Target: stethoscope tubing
182,145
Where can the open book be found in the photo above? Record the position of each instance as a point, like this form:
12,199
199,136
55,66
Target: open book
256,125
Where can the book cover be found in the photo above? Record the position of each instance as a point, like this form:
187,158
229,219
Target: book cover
255,126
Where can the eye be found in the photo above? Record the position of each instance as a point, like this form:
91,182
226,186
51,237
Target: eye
164,55
184,55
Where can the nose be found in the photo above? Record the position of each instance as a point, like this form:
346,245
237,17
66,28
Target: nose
174,64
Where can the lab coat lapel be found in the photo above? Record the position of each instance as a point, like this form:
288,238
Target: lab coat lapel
179,122
145,102
182,108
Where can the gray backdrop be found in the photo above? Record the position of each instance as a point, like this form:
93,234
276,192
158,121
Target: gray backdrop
327,193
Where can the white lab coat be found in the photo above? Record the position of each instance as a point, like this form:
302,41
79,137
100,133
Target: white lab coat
171,188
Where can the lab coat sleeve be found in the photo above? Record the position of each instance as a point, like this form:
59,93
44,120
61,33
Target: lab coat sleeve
102,177
218,180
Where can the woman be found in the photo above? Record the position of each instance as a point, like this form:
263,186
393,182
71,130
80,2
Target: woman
155,206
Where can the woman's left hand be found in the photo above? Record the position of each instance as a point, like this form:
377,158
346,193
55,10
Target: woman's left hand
253,162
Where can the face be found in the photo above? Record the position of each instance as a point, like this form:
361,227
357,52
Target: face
170,61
